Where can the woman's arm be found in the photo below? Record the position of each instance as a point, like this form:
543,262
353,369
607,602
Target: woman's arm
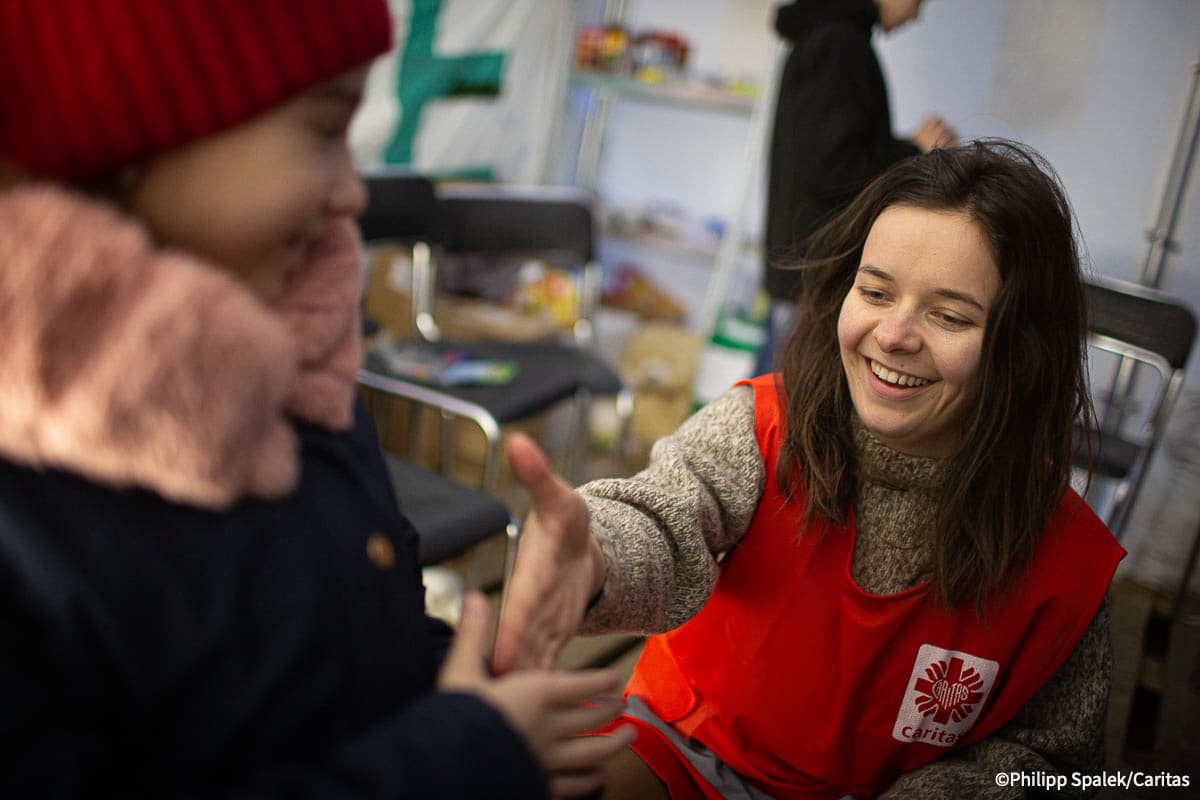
638,553
661,530
1060,731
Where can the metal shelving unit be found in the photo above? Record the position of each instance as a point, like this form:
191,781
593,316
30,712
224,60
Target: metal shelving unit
756,109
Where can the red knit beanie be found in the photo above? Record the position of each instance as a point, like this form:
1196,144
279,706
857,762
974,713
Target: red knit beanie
89,86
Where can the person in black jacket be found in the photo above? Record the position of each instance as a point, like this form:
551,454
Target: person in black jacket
832,131
206,587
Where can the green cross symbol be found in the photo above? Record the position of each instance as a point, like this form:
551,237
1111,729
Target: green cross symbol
424,78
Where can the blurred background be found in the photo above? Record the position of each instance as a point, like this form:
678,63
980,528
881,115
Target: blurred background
660,110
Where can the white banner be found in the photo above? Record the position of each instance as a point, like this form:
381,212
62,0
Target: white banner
473,88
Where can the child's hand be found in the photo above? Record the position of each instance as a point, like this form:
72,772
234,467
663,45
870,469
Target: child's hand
559,567
548,709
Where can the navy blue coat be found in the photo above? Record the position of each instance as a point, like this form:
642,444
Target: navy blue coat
155,649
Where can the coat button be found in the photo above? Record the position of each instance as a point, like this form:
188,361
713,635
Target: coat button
380,551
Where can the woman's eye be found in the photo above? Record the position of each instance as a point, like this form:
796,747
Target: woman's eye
951,320
872,295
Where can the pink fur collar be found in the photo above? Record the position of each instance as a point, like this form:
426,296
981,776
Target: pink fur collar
135,366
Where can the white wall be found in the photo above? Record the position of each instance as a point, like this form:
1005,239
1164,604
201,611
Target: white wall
1099,87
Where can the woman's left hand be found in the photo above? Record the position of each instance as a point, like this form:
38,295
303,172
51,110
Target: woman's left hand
559,567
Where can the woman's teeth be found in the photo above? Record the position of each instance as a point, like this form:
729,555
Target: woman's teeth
896,378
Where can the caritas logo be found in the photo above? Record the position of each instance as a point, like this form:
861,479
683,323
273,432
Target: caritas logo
946,692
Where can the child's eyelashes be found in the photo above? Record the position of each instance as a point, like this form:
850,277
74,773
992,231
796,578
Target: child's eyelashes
332,129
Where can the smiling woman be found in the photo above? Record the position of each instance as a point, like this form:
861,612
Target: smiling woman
911,328
967,260
892,508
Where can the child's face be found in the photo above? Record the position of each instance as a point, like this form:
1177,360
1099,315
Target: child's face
255,198
911,328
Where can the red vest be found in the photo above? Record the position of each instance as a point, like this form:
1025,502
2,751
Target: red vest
812,688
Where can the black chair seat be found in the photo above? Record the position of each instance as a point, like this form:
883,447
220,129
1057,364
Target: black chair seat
450,517
547,373
493,226
1112,456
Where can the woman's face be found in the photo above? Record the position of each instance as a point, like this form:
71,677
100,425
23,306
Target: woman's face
254,199
911,327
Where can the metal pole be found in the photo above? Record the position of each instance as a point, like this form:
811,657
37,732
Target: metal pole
1161,243
729,251
614,12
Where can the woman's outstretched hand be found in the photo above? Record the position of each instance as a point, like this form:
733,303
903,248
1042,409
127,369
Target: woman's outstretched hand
548,709
559,567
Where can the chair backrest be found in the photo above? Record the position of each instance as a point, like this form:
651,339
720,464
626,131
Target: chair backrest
401,207
1137,326
1143,317
551,223
519,220
1131,330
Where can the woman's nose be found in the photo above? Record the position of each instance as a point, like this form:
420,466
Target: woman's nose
897,331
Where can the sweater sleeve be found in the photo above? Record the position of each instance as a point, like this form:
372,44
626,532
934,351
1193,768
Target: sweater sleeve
662,530
1060,731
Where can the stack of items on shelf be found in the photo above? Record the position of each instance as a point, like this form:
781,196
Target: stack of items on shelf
649,55
627,288
666,222
652,57
526,308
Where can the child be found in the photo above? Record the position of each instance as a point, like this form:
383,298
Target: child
205,586
876,578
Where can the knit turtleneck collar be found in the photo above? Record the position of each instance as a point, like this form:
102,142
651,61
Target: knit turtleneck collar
878,463
895,503
136,366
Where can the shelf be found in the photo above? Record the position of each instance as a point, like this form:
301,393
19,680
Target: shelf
678,94
664,244
679,248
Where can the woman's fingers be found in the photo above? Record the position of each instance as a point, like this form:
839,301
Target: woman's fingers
528,631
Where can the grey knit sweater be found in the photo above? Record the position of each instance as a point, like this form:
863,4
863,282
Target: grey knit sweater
662,529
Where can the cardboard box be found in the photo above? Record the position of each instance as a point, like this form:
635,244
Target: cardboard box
659,362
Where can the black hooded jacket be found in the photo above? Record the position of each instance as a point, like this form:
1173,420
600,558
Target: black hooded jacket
833,127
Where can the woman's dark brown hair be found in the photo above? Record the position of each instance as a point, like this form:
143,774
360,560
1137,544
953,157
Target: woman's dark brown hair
1011,464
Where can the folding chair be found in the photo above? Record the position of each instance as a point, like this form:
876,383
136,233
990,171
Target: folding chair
1133,331
495,222
450,517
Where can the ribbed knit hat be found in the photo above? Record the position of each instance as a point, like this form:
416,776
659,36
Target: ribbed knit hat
89,86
